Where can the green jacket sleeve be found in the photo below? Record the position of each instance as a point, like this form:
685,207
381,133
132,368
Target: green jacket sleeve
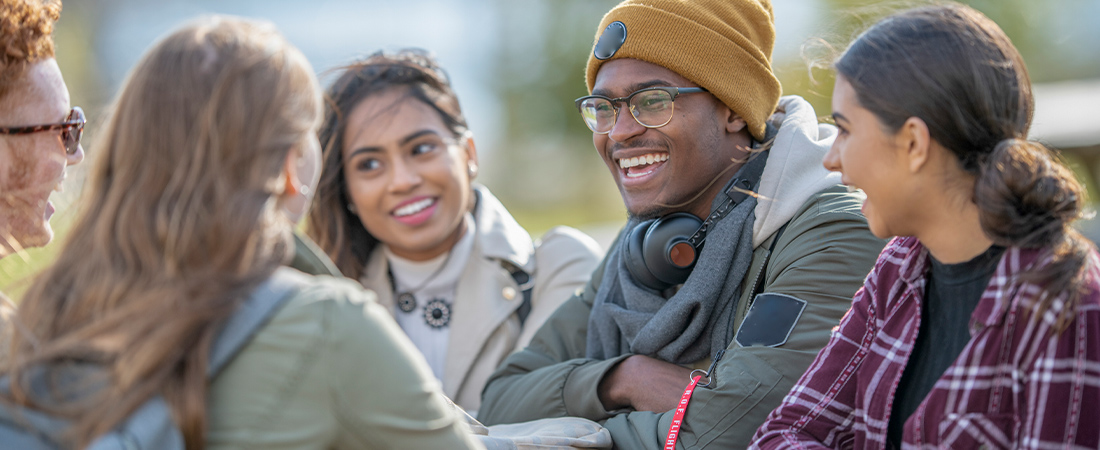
331,370
385,394
551,377
822,257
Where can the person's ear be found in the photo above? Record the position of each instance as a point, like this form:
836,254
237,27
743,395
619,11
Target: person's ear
914,141
293,182
296,191
471,155
734,122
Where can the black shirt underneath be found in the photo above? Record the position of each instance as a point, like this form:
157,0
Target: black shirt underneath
951,294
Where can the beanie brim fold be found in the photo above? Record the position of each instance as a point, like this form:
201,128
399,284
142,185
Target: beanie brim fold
724,48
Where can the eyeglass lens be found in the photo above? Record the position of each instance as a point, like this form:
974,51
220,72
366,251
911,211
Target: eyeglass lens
70,135
651,108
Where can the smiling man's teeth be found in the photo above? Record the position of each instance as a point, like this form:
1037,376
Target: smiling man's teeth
413,208
651,158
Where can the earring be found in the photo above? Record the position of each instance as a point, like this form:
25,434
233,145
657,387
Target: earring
471,168
352,209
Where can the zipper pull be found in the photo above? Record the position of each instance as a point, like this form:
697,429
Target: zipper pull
710,370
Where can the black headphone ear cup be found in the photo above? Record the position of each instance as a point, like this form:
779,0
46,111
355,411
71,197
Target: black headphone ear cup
666,235
635,260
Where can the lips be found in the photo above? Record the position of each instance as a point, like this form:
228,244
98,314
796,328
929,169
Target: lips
59,187
415,211
641,165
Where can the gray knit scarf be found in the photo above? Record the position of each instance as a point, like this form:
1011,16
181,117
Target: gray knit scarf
696,321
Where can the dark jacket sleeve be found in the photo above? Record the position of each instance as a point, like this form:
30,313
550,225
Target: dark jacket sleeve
551,377
808,418
822,257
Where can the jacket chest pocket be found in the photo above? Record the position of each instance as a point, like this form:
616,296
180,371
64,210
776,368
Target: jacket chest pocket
978,430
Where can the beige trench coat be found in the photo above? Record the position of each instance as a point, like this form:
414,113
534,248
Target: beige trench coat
485,328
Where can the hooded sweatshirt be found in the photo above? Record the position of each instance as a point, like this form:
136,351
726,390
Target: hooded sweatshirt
819,260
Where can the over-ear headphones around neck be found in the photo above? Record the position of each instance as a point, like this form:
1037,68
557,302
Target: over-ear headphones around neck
660,253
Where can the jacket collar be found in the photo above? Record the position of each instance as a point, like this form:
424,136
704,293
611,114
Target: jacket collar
1005,288
499,236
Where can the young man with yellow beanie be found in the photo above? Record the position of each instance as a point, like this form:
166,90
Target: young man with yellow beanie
687,115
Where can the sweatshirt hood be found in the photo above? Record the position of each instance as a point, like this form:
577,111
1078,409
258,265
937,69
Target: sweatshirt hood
794,172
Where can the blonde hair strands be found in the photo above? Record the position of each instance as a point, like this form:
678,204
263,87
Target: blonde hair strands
181,218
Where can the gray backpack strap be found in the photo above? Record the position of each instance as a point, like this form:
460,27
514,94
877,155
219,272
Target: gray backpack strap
266,299
151,425
148,427
27,429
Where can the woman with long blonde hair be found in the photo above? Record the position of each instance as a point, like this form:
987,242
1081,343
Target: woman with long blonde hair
186,213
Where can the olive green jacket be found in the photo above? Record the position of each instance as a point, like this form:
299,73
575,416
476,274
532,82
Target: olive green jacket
310,259
821,257
331,370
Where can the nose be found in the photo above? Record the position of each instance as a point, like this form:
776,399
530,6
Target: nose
625,126
832,159
76,157
405,176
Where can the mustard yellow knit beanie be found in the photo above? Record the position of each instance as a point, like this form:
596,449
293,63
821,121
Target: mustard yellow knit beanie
724,46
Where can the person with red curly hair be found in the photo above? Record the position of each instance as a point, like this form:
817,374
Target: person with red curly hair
39,131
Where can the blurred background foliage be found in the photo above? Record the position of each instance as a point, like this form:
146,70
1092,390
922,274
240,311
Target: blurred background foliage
517,66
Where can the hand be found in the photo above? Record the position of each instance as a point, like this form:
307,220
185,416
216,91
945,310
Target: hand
643,383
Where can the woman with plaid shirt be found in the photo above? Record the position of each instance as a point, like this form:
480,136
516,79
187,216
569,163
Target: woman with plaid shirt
979,326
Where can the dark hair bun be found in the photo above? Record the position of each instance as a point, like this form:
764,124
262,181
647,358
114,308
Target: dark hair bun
1026,197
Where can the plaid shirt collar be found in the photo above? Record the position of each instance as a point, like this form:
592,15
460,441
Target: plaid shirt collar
999,294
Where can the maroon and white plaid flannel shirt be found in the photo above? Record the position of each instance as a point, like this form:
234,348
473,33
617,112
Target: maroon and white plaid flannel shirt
1016,384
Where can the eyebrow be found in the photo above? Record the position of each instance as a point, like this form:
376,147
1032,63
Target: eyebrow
403,141
634,87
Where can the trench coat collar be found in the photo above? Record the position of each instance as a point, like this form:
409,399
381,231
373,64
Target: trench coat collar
499,236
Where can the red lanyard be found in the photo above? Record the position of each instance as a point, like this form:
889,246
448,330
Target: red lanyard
678,418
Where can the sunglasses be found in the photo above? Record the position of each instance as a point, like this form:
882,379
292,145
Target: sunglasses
71,129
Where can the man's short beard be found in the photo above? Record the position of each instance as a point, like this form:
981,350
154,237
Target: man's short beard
647,214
